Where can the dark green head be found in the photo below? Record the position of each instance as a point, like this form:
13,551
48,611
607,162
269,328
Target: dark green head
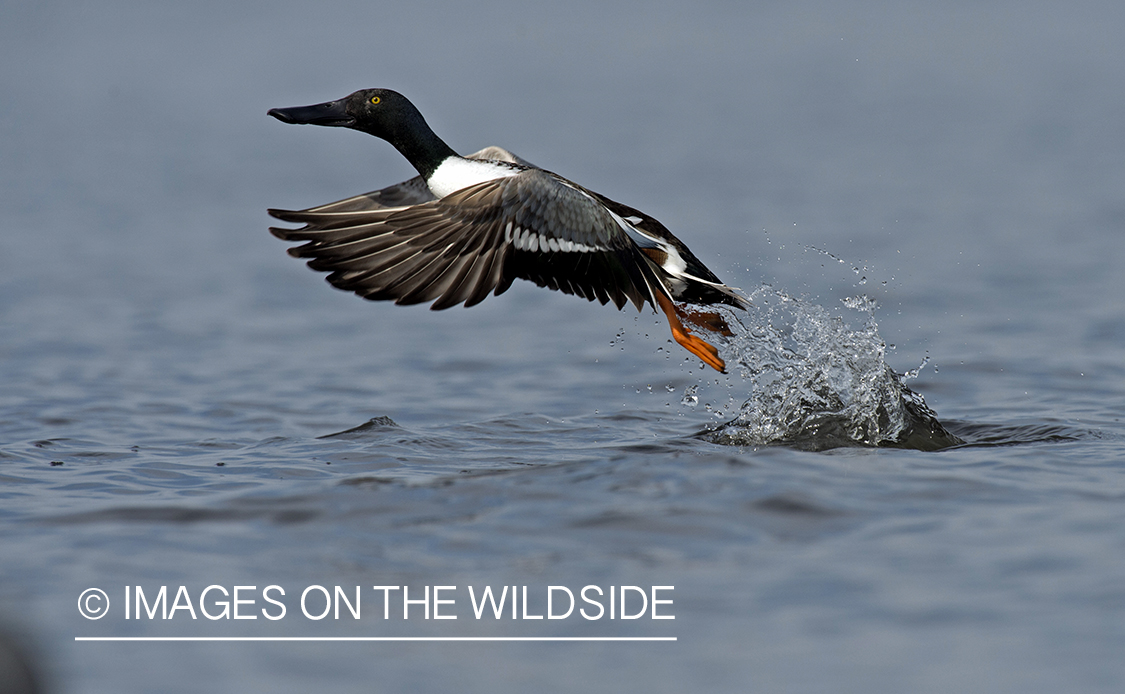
380,112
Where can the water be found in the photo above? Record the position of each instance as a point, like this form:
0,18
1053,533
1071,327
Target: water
818,384
923,190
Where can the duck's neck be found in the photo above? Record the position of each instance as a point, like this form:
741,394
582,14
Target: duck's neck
421,147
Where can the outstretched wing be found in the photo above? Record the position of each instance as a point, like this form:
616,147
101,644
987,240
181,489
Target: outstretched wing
534,225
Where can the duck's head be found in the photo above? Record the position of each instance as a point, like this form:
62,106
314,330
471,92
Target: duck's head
379,112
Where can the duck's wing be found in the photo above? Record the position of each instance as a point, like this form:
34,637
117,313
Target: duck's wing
413,191
494,153
534,225
410,192
689,279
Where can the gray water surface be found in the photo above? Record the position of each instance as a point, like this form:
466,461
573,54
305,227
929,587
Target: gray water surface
181,404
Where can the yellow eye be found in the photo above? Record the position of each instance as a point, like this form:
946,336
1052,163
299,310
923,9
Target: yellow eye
374,99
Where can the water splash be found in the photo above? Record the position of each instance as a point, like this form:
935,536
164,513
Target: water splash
913,373
817,382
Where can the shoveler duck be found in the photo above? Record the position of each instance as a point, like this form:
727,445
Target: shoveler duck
468,226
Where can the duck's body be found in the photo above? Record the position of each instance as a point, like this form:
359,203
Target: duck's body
470,226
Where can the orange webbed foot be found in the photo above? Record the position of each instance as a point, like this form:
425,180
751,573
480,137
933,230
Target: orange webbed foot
700,348
680,333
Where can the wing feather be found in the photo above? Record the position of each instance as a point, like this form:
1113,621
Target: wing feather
475,241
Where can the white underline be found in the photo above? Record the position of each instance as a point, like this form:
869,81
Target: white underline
375,638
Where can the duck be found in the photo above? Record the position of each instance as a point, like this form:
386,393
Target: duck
467,227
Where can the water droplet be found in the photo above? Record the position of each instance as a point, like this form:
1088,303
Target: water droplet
913,373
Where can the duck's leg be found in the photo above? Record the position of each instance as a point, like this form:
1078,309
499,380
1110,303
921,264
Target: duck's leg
705,351
708,320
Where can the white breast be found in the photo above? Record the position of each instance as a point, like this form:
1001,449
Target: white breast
456,173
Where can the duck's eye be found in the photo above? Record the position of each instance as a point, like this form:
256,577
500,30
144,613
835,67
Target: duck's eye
375,99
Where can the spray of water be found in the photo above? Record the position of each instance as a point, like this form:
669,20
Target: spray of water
817,382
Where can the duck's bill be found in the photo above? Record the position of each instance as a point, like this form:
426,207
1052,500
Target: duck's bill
330,113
